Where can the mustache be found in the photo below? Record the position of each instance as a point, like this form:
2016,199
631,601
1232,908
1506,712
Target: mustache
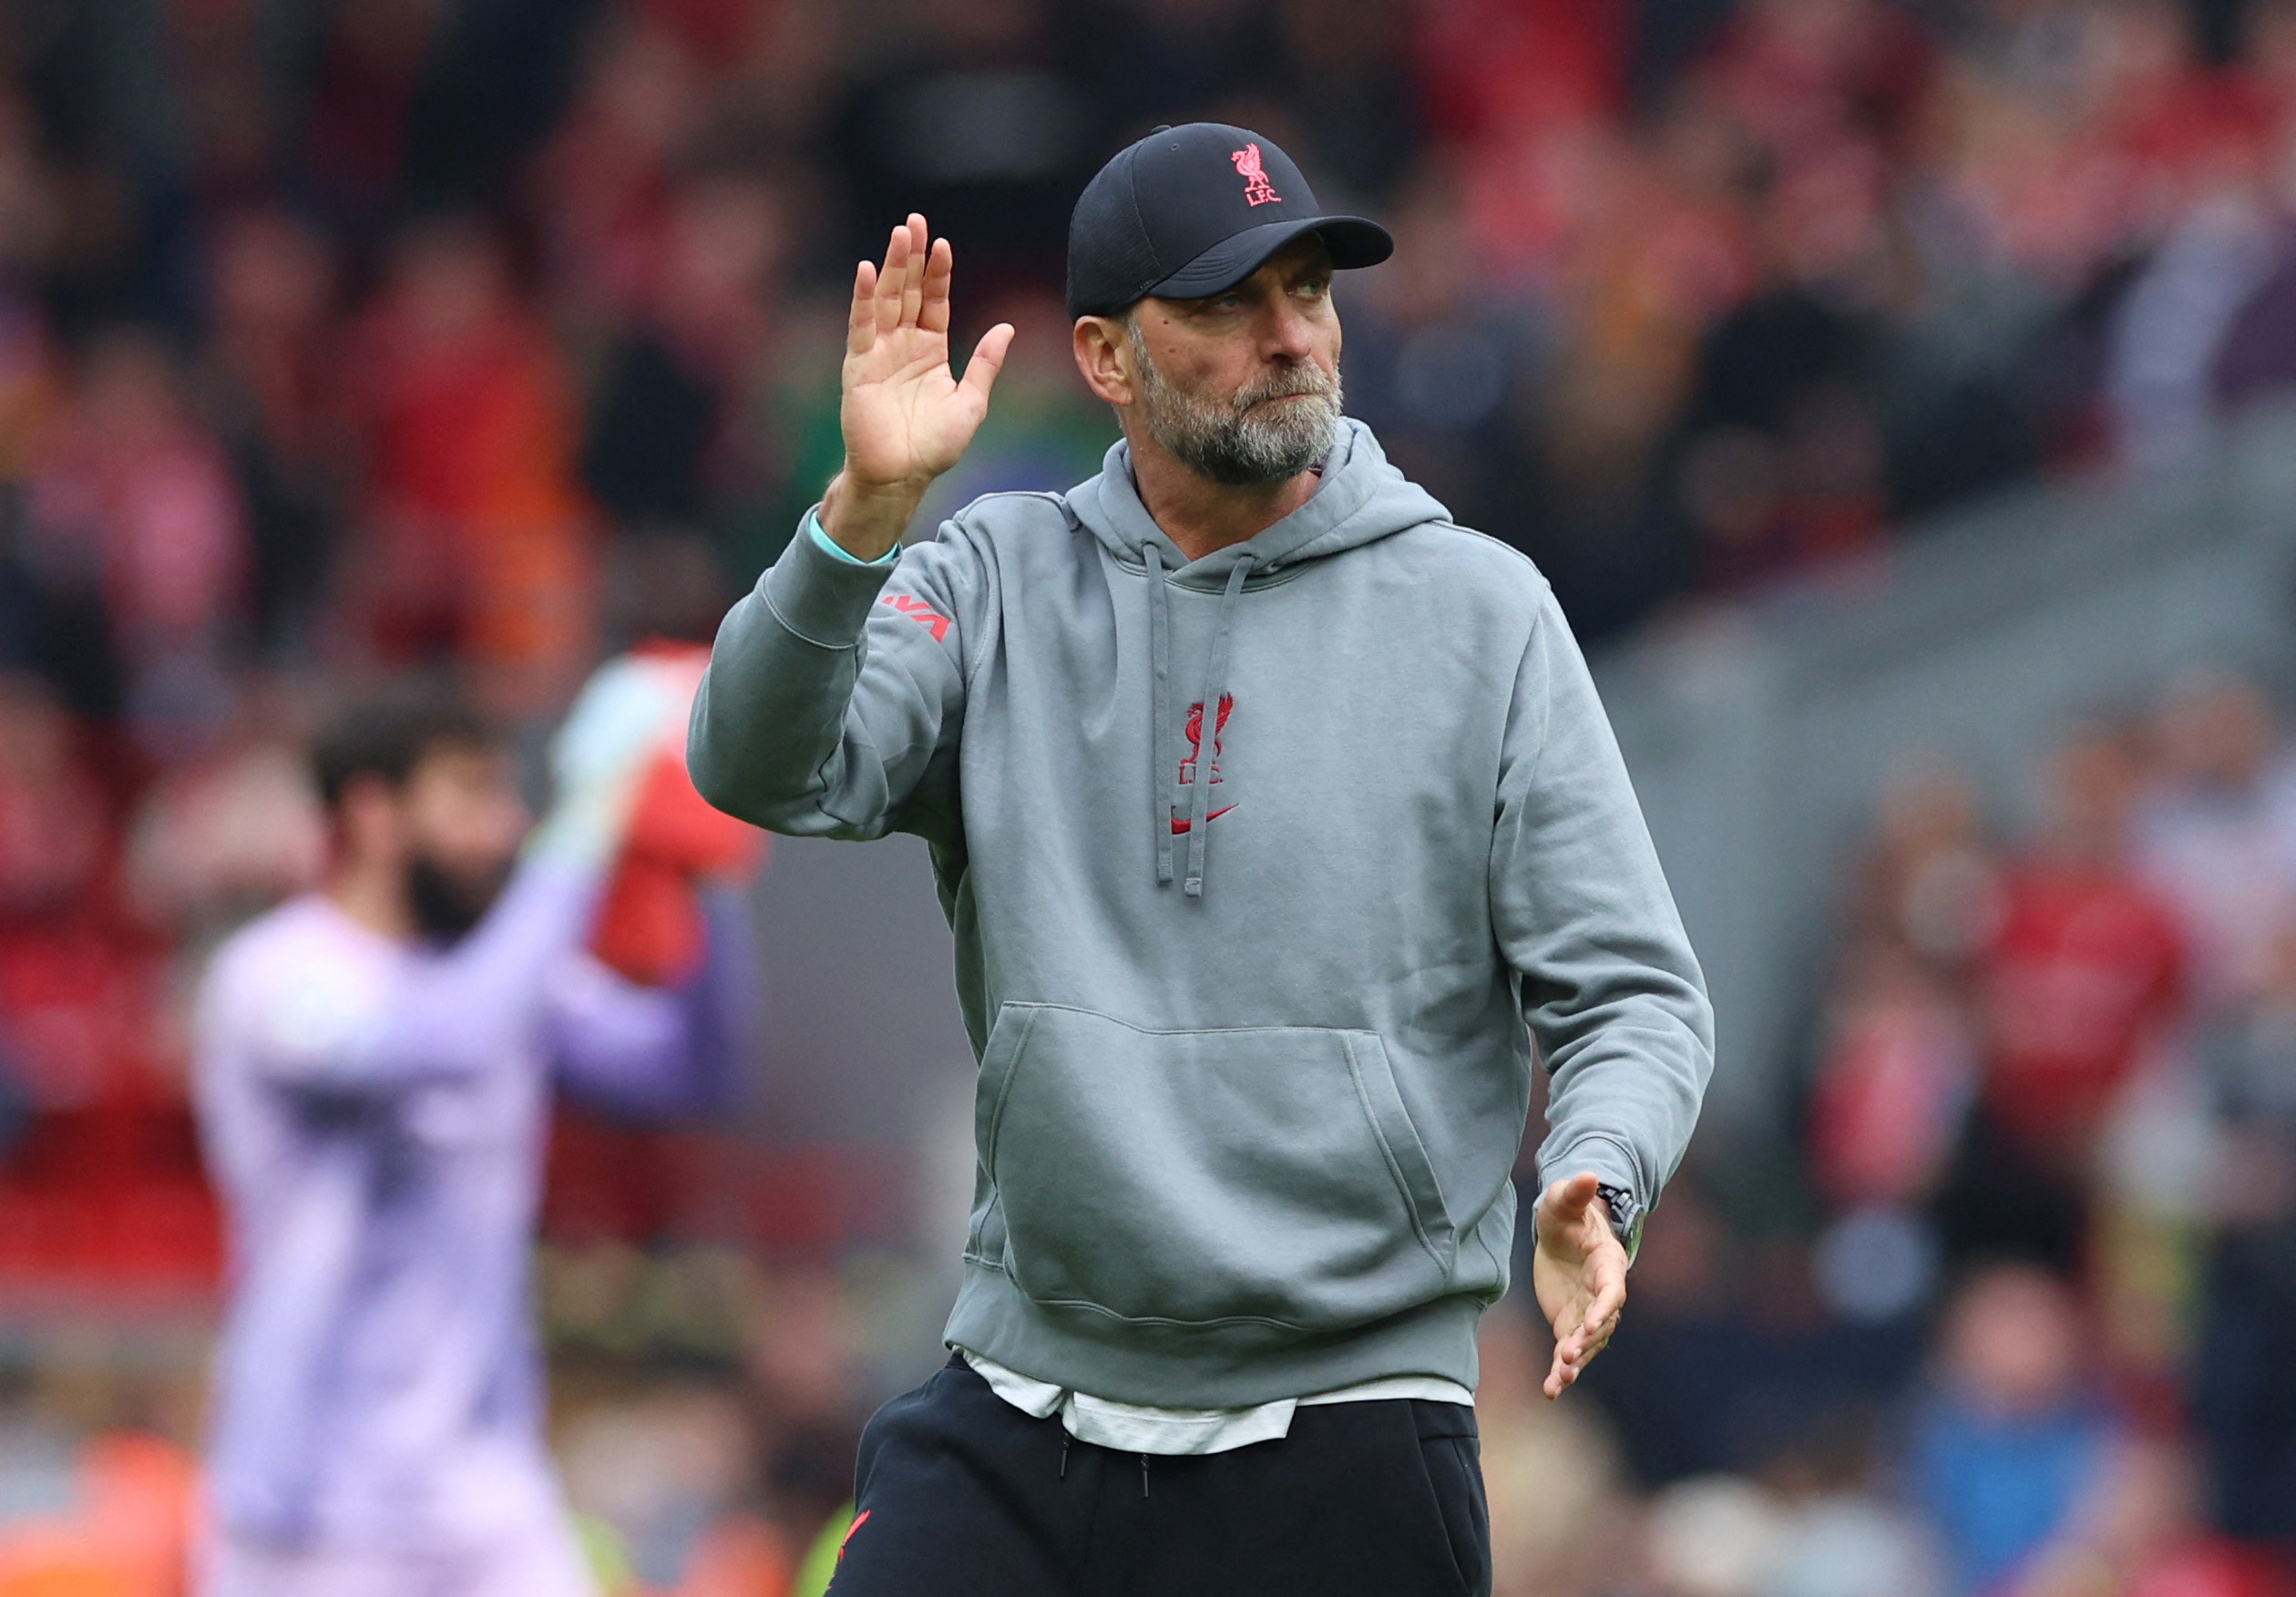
1306,378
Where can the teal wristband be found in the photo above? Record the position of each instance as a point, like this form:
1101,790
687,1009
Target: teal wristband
830,547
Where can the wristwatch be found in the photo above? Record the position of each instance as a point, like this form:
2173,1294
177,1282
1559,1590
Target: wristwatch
1626,1215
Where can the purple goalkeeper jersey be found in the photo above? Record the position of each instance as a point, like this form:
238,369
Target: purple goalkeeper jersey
375,1115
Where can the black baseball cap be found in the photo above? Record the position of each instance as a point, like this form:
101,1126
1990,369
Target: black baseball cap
1192,210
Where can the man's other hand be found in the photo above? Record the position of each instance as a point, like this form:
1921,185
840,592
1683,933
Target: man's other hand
906,417
1579,1274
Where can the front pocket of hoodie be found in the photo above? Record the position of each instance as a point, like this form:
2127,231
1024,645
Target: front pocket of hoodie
1257,1173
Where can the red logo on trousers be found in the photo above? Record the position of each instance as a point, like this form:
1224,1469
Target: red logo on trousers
1180,822
1257,189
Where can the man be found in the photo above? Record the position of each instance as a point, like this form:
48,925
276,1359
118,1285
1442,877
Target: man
1266,805
373,1075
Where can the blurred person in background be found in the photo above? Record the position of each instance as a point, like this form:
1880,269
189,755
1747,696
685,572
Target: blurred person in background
131,497
373,1074
215,841
2011,1437
52,817
476,545
270,379
2216,839
1249,1106
2244,1397
2141,1531
1897,1066
2083,978
2218,836
669,1472
1929,881
1711,1536
1892,1086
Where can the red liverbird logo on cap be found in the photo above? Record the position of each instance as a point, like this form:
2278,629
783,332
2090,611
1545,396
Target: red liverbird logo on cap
1257,189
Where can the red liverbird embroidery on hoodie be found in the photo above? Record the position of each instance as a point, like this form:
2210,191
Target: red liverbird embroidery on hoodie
1180,824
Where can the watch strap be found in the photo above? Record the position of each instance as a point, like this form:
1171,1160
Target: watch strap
1627,1214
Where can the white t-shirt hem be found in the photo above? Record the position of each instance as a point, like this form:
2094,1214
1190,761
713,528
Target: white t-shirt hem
1134,1428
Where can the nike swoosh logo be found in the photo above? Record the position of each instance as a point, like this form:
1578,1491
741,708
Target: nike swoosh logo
1180,825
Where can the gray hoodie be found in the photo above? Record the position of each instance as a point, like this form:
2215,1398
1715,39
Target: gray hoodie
1249,987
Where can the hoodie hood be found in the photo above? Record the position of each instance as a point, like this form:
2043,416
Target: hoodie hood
1360,499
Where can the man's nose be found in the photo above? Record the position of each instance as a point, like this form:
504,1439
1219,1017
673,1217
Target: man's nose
1288,333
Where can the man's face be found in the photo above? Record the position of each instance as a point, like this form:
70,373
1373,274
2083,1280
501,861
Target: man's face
461,821
1244,387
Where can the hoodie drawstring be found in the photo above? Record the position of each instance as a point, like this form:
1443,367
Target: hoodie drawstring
1209,728
1159,710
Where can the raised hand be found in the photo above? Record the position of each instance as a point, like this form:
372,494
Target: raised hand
906,417
619,724
1579,1274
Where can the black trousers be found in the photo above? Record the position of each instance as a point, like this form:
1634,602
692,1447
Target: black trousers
960,1494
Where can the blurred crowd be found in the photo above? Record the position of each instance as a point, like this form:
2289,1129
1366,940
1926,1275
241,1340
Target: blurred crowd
340,335
344,339
2025,1321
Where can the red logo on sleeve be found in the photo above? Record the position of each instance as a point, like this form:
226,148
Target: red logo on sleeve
1257,189
917,611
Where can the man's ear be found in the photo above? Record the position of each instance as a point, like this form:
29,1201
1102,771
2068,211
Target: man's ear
1104,357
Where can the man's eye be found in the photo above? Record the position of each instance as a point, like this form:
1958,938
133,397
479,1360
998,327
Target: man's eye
1314,288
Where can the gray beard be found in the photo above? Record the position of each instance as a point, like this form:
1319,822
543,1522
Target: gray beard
1225,440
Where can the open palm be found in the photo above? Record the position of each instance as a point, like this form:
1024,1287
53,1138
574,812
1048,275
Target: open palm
906,416
1579,1275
